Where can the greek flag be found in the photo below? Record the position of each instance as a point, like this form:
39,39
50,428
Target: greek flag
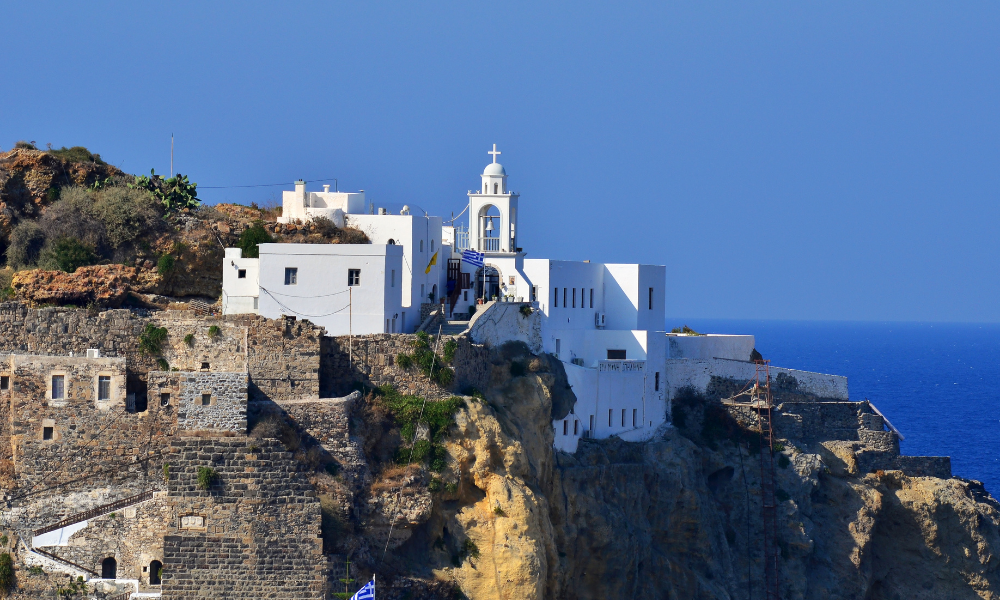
473,258
366,593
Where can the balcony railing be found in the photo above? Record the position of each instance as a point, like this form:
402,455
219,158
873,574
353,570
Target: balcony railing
489,244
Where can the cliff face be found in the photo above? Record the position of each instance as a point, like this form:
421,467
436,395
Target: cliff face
679,518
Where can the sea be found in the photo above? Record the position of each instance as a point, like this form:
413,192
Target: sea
938,383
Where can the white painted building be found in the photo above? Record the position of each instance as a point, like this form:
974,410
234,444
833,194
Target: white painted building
302,206
345,288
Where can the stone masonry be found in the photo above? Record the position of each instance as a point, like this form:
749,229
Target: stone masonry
205,401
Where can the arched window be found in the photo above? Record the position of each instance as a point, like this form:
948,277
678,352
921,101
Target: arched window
155,572
496,188
392,242
109,568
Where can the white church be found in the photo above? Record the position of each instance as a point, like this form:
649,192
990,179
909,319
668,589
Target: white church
605,322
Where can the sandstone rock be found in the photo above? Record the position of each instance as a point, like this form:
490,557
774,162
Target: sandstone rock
103,285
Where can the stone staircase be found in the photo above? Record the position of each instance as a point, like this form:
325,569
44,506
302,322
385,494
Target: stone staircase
454,327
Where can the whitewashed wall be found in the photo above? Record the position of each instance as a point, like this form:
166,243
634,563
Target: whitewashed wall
698,374
735,347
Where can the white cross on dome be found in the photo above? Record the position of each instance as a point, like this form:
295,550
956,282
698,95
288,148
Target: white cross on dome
494,152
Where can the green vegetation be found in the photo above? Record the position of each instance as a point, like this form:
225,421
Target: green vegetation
68,254
36,570
214,331
499,511
75,588
252,237
428,362
404,361
151,339
685,329
206,477
438,416
174,193
782,495
25,145
449,350
468,550
784,461
525,311
189,339
451,488
165,264
162,364
6,572
435,485
77,154
166,473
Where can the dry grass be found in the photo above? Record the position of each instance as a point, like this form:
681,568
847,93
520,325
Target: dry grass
394,478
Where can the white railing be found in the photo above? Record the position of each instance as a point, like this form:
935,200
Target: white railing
461,238
489,244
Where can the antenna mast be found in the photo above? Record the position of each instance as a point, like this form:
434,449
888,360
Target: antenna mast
171,155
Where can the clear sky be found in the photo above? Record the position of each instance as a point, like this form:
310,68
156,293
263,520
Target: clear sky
796,160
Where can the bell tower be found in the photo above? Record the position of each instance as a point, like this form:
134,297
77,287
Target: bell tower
493,211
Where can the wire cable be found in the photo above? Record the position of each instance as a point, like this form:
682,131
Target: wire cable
227,187
300,314
291,296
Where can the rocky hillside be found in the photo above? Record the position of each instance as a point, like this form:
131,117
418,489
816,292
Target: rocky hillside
77,231
503,515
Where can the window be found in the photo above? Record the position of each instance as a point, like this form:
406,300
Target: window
58,387
104,387
576,427
421,292
392,242
155,568
583,303
255,302
558,347
534,293
555,297
241,274
164,398
432,245
421,245
392,279
623,417
616,355
496,188
635,411
591,297
47,433
565,426
611,411
591,424
291,276
353,277
650,298
564,297
656,382
574,297
4,382
204,366
206,399
465,296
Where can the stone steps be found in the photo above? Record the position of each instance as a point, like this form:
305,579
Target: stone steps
454,327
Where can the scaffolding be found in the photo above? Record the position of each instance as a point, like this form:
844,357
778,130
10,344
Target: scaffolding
760,396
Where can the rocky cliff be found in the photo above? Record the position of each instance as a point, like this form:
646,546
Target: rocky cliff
675,517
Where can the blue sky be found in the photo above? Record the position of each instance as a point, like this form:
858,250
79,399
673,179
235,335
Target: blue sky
798,160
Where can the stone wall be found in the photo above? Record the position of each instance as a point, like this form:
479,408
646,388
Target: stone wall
374,364
499,322
254,534
227,403
133,536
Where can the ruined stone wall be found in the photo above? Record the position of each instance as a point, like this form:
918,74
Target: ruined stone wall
227,399
283,357
132,536
254,534
374,364
93,442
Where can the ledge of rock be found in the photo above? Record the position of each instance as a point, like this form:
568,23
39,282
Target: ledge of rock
102,285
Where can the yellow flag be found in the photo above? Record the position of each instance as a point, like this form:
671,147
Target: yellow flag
434,261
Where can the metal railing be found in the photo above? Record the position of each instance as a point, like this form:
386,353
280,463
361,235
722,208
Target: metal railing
63,560
98,511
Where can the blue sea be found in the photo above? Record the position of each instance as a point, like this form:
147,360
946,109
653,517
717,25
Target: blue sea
938,383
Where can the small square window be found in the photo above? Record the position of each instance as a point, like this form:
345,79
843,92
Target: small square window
291,276
47,433
104,387
204,366
206,399
4,382
241,274
164,398
58,387
353,277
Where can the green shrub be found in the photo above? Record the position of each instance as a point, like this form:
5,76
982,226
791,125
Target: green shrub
252,237
6,572
166,473
165,264
189,339
451,488
444,376
783,461
778,447
25,145
499,511
434,485
206,477
174,193
3,540
163,364
68,254
36,570
781,495
404,361
472,310
77,154
422,341
214,331
128,214
151,339
685,329
449,350
525,311
25,244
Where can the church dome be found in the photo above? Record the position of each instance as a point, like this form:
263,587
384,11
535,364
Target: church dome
494,169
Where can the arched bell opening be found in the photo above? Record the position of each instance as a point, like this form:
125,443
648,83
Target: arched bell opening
490,222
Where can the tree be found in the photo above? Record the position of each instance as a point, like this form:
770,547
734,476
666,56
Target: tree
252,237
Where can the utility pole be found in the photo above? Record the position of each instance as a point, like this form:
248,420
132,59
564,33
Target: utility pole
350,327
171,155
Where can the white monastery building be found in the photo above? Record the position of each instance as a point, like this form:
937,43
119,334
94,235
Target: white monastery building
605,322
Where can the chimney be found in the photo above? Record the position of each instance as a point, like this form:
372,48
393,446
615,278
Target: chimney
300,189
326,189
